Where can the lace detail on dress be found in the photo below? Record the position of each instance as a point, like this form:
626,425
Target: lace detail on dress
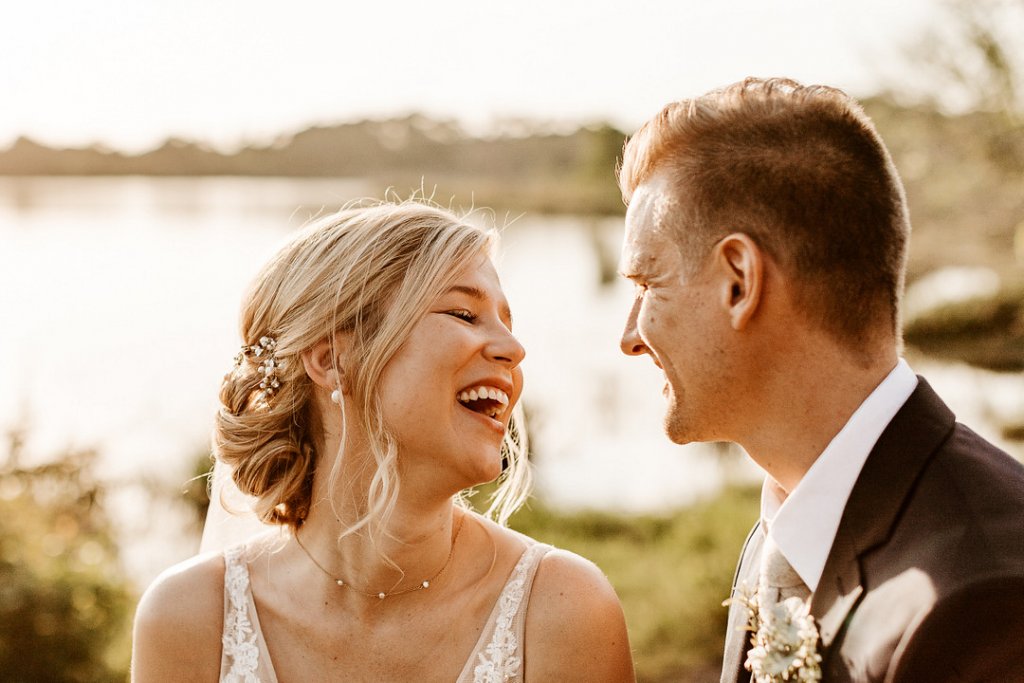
502,659
241,652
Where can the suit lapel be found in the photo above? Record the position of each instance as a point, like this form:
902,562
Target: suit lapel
737,640
888,477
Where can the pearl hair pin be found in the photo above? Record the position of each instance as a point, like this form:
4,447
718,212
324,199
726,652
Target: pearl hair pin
426,583
264,354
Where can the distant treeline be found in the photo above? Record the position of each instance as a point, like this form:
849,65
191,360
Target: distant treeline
572,171
963,173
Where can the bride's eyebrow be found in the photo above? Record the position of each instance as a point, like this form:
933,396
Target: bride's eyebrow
479,295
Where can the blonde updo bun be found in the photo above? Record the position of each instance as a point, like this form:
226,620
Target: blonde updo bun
367,272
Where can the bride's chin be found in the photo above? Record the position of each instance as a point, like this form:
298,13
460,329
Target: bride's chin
486,469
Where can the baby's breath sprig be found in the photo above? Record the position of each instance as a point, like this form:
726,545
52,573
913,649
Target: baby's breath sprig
784,640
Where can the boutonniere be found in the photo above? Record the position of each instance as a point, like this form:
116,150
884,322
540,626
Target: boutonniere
783,640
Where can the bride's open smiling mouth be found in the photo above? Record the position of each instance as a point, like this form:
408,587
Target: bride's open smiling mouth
487,402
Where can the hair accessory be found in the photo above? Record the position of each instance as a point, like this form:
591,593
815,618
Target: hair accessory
423,585
264,353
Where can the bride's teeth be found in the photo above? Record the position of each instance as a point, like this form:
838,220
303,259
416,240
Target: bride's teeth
485,393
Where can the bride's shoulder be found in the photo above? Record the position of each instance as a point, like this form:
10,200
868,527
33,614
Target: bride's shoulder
570,589
574,582
190,587
569,582
557,566
179,620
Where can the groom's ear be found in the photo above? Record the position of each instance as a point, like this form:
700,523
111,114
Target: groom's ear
741,263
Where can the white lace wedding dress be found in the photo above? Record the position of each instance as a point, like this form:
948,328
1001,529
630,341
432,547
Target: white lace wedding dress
497,657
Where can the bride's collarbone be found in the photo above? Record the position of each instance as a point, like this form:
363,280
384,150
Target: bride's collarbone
313,632
418,636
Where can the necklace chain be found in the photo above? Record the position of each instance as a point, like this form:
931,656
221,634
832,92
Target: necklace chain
425,584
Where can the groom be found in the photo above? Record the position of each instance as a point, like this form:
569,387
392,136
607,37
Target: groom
766,236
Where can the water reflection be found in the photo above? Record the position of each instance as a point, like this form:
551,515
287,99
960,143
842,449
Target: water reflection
121,295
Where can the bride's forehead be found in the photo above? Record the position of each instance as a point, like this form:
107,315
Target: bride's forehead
479,274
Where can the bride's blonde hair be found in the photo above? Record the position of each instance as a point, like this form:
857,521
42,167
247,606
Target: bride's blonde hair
368,273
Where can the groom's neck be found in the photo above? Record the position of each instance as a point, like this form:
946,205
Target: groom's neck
814,386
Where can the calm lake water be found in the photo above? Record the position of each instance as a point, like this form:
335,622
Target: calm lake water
120,299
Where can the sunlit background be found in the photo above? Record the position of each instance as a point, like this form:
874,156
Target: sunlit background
129,74
153,154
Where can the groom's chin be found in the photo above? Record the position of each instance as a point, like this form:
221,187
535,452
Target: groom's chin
681,439
677,432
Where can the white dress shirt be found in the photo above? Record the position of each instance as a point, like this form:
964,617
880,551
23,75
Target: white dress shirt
804,524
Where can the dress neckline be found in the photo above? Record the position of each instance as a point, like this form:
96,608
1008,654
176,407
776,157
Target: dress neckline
246,656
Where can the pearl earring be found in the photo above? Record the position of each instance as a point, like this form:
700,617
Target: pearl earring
336,396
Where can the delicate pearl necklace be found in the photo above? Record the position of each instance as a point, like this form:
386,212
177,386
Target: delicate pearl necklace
380,596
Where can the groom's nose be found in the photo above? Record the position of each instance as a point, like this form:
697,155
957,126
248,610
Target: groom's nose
631,344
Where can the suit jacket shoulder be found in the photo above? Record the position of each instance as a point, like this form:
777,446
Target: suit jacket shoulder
928,558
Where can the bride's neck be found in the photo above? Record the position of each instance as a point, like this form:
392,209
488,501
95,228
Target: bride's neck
413,546
414,543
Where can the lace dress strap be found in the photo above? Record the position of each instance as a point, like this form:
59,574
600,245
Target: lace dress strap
498,656
244,654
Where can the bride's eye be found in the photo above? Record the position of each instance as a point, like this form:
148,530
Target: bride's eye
462,314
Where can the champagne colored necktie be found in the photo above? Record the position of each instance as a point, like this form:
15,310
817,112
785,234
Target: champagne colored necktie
777,580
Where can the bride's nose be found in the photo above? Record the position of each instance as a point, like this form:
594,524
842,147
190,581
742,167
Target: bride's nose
504,348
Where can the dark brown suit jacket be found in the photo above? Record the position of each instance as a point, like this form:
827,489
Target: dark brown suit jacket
925,578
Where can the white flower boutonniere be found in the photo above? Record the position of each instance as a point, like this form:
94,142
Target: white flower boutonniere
784,640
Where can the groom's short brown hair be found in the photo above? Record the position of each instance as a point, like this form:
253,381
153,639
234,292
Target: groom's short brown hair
802,170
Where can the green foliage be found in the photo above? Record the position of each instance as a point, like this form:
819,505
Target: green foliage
671,573
64,601
985,332
196,491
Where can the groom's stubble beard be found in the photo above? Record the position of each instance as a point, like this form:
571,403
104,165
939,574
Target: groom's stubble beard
678,427
701,410
683,427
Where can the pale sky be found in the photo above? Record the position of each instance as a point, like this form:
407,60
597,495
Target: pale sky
130,73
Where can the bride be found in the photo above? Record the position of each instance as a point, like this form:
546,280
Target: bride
376,385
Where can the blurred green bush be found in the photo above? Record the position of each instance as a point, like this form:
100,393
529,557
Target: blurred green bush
66,604
64,598
671,573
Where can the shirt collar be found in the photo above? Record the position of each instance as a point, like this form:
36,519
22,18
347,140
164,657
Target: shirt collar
804,524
